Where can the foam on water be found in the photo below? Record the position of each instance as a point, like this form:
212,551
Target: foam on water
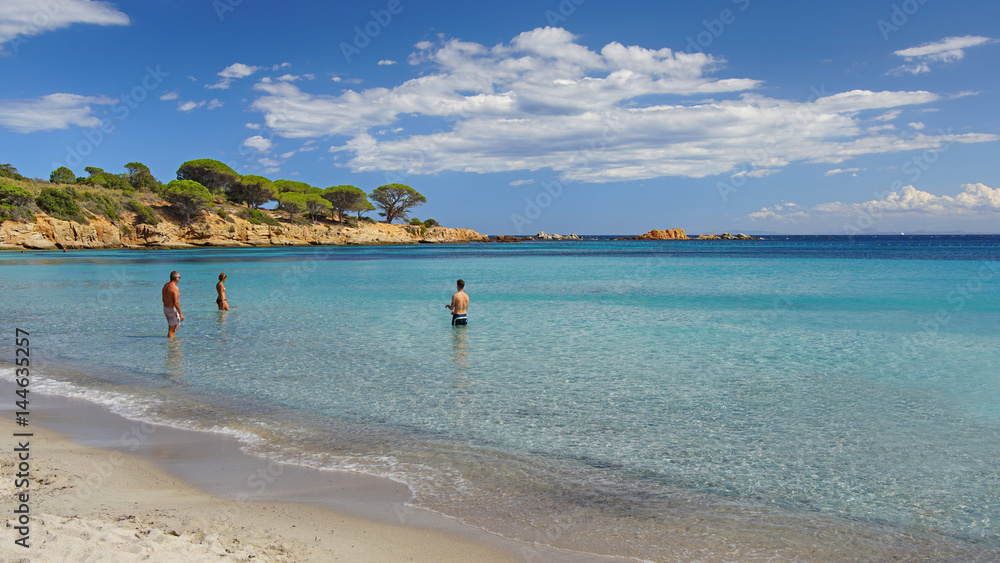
606,394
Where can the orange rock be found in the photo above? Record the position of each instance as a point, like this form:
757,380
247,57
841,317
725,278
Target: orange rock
669,234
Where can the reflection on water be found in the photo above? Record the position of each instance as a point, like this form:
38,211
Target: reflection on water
460,348
174,362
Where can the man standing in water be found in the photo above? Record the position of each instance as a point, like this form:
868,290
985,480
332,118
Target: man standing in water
172,304
459,306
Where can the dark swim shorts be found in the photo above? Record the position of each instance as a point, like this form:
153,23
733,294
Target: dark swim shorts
459,320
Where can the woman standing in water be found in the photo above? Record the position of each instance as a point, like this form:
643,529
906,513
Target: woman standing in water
221,289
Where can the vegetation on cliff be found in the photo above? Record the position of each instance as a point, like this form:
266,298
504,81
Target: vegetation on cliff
202,185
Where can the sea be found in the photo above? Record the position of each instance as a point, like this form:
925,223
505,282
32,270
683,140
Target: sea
791,398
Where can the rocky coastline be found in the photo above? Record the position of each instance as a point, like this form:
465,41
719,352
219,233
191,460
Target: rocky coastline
49,233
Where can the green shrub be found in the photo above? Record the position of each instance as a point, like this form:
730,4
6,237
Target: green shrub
15,195
16,213
222,213
258,217
143,213
103,205
61,204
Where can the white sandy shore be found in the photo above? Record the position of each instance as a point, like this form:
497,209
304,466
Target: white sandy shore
140,513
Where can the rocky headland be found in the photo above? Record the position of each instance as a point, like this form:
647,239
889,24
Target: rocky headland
49,233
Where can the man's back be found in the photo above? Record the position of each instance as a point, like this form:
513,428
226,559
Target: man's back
460,303
170,294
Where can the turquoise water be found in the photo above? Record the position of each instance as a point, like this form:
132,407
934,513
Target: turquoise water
606,395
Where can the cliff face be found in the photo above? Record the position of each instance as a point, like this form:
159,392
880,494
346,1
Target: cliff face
48,233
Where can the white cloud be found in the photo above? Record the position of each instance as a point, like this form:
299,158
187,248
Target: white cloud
785,212
215,104
949,49
386,62
516,183
289,78
916,125
190,106
254,126
283,65
623,113
232,72
238,70
835,171
258,143
20,19
51,112
167,96
975,204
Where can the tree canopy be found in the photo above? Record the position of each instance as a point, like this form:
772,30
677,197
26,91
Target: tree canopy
291,186
189,196
62,175
99,177
212,174
139,177
252,190
8,171
395,200
316,205
292,202
344,199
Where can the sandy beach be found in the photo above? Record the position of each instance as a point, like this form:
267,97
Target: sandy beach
100,503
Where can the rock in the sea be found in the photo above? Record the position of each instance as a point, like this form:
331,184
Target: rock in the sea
668,234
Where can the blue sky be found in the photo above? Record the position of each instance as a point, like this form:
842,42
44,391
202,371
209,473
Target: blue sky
582,116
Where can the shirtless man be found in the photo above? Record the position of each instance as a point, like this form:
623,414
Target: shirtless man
221,289
172,304
459,306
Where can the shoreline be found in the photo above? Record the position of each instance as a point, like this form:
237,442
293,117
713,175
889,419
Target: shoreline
101,483
106,482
